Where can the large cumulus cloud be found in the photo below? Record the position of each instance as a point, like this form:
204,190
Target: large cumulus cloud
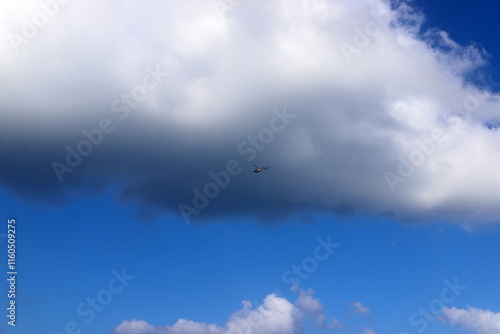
385,117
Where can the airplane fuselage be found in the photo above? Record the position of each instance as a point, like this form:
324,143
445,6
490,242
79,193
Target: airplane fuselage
259,169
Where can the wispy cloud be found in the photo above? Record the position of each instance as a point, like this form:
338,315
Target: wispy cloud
359,308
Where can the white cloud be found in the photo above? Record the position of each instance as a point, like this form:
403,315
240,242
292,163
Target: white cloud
308,303
134,327
360,308
182,326
276,315
313,307
359,115
475,320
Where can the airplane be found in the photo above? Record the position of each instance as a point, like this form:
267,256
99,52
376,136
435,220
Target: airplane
258,169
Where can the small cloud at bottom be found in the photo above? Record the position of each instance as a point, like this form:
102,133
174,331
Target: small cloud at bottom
473,319
276,315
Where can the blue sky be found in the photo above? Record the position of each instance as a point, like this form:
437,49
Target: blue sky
381,197
203,272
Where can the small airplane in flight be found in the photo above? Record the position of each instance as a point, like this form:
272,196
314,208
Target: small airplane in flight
258,169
